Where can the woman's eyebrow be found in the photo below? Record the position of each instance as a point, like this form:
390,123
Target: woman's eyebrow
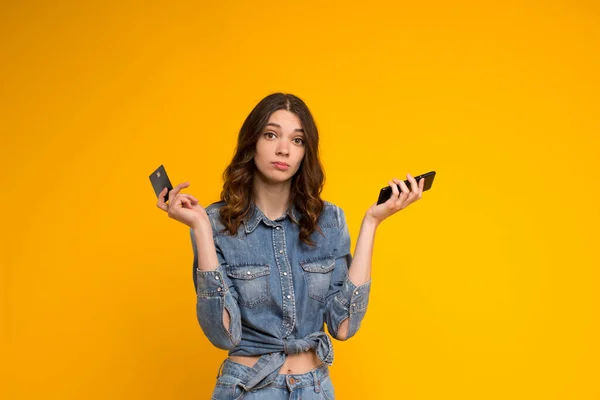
279,126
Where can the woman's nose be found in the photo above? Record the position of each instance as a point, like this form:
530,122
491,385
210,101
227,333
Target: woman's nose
283,148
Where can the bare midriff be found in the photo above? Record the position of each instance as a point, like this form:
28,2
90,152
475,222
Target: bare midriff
300,363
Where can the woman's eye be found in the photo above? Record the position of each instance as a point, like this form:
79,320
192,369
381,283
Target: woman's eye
269,135
298,141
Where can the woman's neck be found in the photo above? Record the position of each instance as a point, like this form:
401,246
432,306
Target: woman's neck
272,199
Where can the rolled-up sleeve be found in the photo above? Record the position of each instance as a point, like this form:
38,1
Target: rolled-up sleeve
214,294
344,299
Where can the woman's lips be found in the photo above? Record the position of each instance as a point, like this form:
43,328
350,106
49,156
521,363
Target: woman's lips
281,166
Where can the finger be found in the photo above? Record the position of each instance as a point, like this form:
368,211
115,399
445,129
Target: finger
160,203
186,203
414,187
189,196
403,187
175,191
395,191
401,199
162,193
421,187
176,201
184,200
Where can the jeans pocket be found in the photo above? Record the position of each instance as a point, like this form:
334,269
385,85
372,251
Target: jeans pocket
251,282
318,276
227,388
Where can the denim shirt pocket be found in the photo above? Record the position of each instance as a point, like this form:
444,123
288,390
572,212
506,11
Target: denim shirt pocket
251,283
318,276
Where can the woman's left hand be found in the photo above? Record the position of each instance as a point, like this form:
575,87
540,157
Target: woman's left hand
401,198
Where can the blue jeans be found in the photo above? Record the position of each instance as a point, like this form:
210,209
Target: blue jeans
313,385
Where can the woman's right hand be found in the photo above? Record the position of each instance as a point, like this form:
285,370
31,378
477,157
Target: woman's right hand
182,207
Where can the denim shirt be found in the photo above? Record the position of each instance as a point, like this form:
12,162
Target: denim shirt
278,291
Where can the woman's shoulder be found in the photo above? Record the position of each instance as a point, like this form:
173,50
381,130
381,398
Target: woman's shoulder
214,207
332,215
213,215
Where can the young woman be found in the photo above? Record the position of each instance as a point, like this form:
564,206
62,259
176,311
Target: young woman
272,261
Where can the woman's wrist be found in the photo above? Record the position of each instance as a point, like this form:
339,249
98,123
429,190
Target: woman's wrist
203,236
201,223
370,221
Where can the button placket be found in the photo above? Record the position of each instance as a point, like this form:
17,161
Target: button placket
287,288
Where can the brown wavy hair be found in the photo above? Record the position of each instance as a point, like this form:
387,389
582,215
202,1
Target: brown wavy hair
307,183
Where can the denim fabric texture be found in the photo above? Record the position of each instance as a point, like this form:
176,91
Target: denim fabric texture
278,290
313,385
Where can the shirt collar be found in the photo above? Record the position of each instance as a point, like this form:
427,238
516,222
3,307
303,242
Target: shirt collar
253,220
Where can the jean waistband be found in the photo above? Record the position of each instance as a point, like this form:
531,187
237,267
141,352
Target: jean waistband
266,369
291,381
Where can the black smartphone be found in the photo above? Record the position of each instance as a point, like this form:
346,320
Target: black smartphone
386,192
160,180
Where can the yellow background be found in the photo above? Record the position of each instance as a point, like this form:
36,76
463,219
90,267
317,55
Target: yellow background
485,289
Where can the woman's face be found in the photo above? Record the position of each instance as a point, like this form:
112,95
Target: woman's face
280,147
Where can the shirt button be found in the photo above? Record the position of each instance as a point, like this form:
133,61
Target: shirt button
218,289
285,274
280,251
356,292
217,277
278,228
248,273
288,296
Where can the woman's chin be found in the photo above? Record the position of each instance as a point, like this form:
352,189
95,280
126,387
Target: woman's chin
274,177
277,180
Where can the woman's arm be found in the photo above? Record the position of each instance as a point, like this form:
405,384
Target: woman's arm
347,300
359,272
216,305
217,308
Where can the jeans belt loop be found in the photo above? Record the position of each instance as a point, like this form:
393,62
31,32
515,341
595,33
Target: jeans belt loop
316,383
